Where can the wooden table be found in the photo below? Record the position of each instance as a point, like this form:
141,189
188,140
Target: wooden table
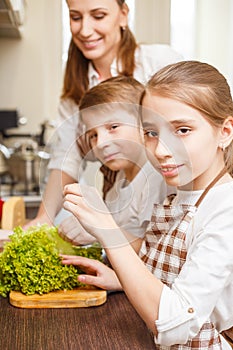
114,325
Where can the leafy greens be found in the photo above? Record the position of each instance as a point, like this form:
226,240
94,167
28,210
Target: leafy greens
30,262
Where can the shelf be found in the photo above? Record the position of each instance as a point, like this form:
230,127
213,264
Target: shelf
11,18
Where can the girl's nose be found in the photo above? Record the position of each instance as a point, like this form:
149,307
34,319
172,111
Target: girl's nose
162,150
86,27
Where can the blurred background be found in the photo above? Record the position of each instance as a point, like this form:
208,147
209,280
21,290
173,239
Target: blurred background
34,40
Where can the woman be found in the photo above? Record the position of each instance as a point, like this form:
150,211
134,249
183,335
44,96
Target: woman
102,46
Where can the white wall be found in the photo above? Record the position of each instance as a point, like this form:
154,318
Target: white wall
214,35
31,68
152,21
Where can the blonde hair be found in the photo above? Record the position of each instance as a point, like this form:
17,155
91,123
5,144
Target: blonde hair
202,87
76,73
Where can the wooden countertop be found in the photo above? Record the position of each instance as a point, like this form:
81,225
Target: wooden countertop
114,325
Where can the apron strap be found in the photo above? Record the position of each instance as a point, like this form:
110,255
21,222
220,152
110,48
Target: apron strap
218,177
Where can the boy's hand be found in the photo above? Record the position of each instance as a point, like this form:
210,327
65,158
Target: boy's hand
71,230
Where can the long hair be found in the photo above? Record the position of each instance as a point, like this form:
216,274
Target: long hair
202,87
76,73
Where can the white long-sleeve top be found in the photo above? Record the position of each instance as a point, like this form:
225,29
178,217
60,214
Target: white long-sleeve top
65,155
131,204
205,283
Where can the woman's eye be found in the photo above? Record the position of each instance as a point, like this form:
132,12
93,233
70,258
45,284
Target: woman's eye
183,131
99,16
75,17
150,133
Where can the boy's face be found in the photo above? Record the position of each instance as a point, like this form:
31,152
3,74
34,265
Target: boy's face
180,142
115,136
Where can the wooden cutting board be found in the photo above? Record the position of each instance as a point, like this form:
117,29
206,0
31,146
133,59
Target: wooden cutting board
78,297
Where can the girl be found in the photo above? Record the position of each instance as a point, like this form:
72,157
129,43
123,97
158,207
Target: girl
183,284
109,112
102,46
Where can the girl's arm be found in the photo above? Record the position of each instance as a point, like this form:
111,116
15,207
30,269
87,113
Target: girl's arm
204,285
141,287
134,241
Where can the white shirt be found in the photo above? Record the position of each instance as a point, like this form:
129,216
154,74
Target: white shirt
205,282
131,204
65,156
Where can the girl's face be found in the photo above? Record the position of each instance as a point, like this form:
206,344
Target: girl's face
95,27
185,144
115,139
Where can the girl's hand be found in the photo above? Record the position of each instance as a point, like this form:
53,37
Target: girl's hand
86,204
97,274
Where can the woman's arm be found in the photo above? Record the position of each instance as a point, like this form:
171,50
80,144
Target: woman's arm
52,198
64,163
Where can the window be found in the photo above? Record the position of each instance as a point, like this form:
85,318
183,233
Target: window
183,14
131,4
65,31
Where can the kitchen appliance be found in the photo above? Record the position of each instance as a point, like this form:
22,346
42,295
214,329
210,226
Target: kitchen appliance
23,162
27,166
8,119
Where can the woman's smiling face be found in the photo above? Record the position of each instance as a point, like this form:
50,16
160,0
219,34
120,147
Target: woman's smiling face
95,27
184,143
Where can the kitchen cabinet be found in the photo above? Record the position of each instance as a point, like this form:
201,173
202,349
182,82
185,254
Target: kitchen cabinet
12,14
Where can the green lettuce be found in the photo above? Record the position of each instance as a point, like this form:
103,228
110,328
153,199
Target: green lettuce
31,263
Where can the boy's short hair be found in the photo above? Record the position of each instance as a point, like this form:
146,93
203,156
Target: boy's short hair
121,89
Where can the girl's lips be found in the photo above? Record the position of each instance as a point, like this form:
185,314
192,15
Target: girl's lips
169,170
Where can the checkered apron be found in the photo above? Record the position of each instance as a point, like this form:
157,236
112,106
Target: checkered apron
164,253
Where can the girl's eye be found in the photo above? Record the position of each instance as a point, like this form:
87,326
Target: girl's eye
150,133
113,126
183,131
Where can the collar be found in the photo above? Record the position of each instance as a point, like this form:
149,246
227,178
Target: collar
93,75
